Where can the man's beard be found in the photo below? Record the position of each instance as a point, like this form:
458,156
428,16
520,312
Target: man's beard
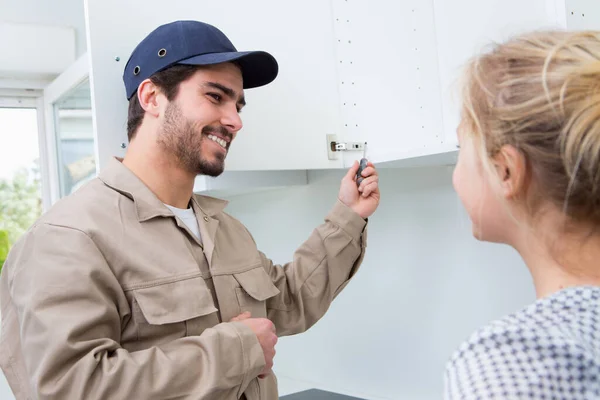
180,137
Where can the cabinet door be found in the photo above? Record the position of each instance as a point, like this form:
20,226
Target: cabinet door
399,64
285,123
388,77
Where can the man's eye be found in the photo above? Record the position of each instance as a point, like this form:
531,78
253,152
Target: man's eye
216,96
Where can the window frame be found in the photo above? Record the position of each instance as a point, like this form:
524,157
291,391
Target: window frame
33,99
42,95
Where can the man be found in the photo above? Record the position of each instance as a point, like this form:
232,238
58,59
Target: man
135,288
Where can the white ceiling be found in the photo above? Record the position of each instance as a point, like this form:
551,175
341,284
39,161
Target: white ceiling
36,67
68,13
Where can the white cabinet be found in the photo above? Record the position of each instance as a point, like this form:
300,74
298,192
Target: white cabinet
379,71
285,123
406,63
466,27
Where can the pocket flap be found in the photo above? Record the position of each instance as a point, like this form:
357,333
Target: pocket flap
257,283
175,301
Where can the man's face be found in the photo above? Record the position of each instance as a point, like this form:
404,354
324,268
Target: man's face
199,125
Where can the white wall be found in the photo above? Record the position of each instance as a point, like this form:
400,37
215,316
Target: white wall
424,286
50,12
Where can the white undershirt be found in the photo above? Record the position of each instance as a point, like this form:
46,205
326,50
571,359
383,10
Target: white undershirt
188,217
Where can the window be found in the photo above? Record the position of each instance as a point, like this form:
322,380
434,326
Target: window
75,138
20,178
47,148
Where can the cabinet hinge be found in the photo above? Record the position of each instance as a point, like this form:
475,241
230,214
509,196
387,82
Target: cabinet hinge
334,147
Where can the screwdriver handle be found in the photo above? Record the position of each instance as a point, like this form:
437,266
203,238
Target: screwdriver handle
361,167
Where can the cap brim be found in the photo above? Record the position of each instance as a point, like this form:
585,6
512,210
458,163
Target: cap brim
258,67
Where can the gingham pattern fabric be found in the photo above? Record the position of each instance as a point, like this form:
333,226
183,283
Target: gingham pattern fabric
547,351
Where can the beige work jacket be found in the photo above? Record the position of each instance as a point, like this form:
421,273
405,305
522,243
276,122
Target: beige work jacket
110,296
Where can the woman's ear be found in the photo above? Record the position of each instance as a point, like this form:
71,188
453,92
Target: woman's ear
510,165
148,97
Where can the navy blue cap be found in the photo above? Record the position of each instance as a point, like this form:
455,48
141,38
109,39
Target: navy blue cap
194,43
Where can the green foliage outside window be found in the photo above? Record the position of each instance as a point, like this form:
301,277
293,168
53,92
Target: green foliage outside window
20,206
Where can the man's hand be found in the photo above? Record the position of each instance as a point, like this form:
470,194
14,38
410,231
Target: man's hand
363,199
267,337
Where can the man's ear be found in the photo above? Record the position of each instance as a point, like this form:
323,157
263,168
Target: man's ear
148,97
511,167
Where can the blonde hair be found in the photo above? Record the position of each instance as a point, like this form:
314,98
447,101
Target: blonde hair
540,92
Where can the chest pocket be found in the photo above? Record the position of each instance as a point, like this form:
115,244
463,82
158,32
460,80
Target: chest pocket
167,311
256,288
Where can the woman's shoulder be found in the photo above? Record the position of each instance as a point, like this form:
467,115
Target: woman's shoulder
549,347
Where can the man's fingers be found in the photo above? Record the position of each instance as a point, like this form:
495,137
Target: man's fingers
368,181
370,188
368,172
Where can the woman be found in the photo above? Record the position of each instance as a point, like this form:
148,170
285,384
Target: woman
528,175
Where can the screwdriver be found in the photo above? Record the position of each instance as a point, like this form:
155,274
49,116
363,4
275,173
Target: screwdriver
362,166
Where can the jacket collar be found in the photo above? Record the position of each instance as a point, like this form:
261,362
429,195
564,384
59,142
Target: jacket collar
120,178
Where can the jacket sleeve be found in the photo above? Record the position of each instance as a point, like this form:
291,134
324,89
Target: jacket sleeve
322,266
70,309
